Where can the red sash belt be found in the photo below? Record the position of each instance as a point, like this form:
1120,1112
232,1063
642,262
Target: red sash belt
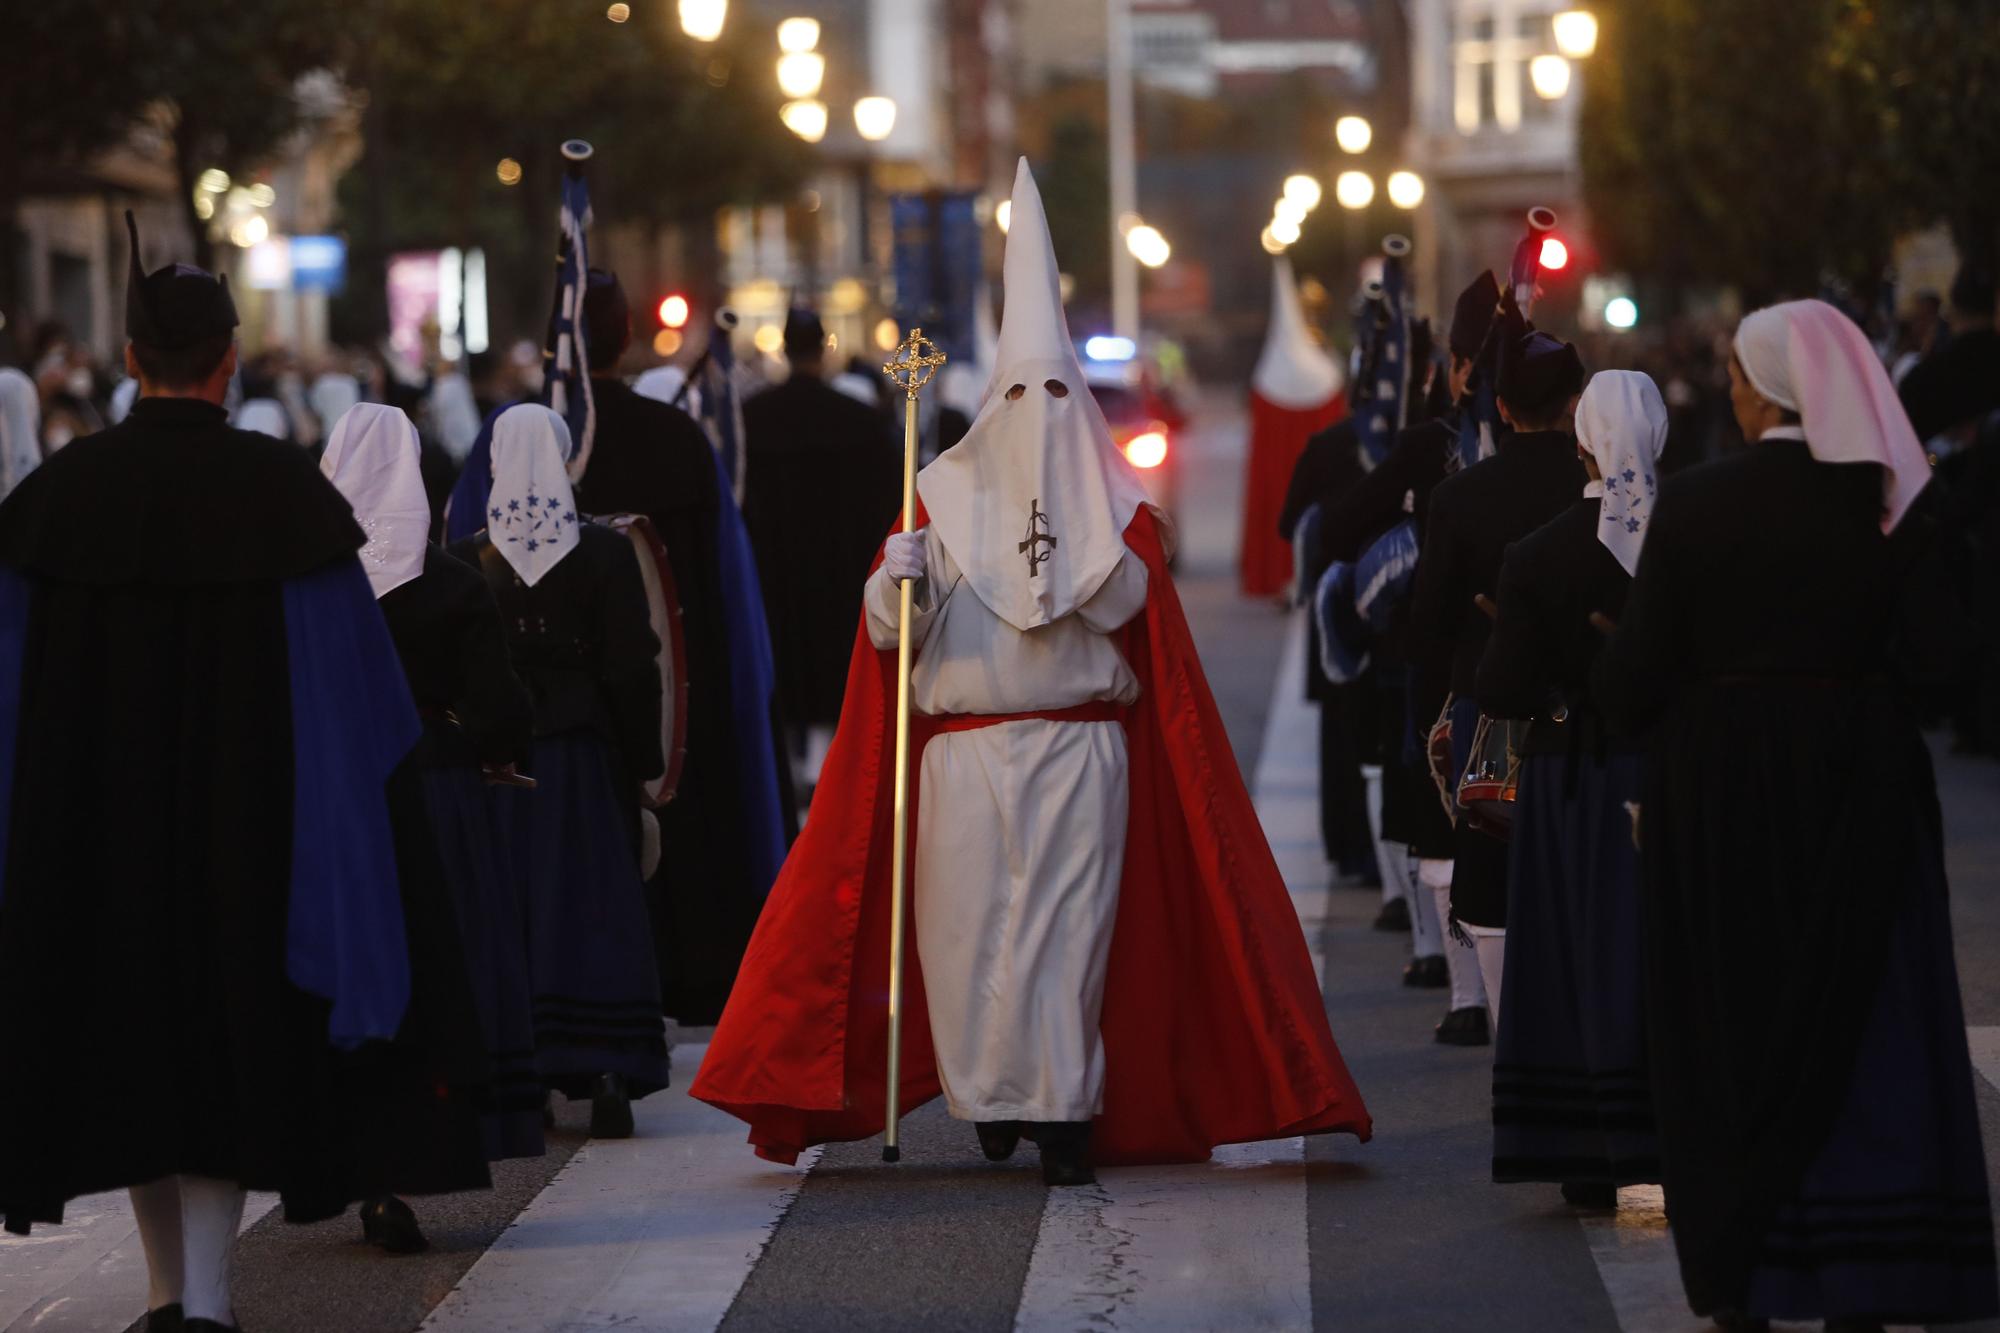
1098,711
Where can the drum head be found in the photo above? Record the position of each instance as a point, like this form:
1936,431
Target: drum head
664,606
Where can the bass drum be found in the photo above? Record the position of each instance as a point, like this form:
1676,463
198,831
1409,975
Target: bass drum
664,603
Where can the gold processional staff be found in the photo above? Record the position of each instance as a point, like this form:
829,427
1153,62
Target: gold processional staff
915,361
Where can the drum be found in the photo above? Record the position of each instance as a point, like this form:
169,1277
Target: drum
1491,782
664,604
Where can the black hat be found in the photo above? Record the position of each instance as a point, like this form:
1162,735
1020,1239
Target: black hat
1537,371
176,306
1472,317
607,317
805,336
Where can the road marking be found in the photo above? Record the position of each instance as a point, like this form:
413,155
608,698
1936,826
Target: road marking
1985,1044
87,1275
1176,1248
654,1234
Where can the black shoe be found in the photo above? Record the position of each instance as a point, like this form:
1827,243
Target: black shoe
1741,1323
610,1108
210,1326
166,1319
1427,973
1395,915
1464,1027
1066,1154
998,1138
388,1222
548,1110
1853,1326
1590,1194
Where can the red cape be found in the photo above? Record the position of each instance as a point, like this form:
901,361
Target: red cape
1278,436
1214,1030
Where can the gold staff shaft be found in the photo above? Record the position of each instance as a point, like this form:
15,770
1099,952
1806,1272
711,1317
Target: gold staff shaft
910,371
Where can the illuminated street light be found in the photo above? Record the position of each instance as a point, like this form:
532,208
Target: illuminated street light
1353,134
508,172
1148,246
1550,75
805,118
800,73
874,118
1304,190
1003,213
1576,33
215,180
798,35
1269,240
703,19
1283,231
1621,312
1354,189
618,13
887,335
261,195
1406,189
768,338
249,231
1290,210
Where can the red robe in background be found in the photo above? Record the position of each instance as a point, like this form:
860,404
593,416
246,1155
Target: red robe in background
1278,436
1214,1030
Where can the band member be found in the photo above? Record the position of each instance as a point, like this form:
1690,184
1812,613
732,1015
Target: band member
476,713
1571,1101
1474,514
1818,1127
580,635
244,928
1090,881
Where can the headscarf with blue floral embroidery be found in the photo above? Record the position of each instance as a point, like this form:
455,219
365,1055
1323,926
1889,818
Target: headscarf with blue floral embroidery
531,515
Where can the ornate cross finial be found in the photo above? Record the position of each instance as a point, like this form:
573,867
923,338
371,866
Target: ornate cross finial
914,363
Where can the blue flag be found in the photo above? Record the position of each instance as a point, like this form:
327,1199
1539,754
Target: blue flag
565,360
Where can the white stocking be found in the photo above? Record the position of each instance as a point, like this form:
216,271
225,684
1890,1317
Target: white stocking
211,1212
1461,960
1426,932
1394,884
1491,946
157,1206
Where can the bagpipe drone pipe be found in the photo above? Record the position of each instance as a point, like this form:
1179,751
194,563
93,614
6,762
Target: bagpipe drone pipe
1479,426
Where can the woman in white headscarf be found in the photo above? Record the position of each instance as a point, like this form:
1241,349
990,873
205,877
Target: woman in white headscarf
478,717
20,428
580,634
1814,1096
1571,1103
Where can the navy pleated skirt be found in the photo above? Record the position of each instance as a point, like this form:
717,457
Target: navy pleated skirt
1892,1220
491,920
1571,1100
572,843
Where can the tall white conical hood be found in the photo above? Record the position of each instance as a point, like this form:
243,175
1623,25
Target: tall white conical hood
1033,503
1293,371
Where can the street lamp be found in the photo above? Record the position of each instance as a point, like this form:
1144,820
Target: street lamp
1268,238
1550,75
1284,231
1290,210
1576,33
874,118
805,118
703,19
1406,189
1003,213
798,34
1304,191
1354,189
1353,134
1148,246
800,73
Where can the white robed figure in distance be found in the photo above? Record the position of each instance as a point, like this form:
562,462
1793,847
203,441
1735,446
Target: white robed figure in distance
1023,577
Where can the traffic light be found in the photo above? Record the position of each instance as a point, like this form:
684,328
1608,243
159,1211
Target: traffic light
674,311
1555,255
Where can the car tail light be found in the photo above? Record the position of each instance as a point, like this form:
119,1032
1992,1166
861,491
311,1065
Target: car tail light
1148,449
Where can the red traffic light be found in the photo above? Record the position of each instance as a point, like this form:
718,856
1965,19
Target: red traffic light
674,312
1555,255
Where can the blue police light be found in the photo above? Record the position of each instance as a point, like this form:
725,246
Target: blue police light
1110,347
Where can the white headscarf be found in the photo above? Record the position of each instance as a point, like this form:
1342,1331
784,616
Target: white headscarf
1622,421
331,395
371,458
20,428
1293,371
660,383
266,415
1037,474
1808,358
454,413
531,515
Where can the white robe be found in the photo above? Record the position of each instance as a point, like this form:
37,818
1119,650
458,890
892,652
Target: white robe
1020,839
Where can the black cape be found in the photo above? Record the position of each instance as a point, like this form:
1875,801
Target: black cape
823,482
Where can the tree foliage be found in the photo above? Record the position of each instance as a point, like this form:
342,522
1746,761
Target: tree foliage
1770,148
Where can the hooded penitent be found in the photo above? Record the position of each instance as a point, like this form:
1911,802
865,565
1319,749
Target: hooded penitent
1212,1027
1622,422
1037,475
371,457
1294,393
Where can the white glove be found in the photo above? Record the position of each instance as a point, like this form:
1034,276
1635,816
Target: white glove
903,556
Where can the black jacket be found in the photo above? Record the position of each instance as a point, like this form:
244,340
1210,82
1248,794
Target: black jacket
447,631
1543,645
1472,517
1398,488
